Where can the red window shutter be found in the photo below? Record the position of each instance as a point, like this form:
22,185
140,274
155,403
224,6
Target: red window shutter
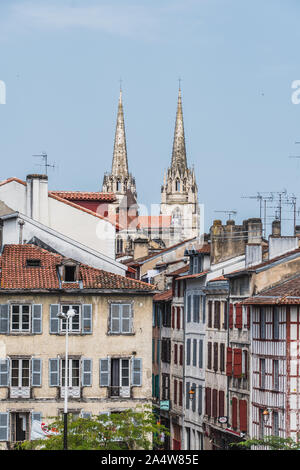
243,415
180,393
238,316
181,355
221,402
173,317
215,403
248,317
178,318
237,362
231,316
175,392
208,401
225,316
234,413
175,353
229,362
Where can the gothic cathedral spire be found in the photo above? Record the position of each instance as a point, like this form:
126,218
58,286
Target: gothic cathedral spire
179,152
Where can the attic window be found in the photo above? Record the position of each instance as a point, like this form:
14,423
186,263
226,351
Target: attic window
36,263
70,272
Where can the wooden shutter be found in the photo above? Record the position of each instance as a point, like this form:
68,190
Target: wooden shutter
209,314
200,353
4,426
54,320
237,362
178,318
194,397
136,372
180,394
188,352
221,402
86,372
225,316
208,401
4,319
209,351
181,355
4,372
36,416
175,354
248,317
173,317
215,403
243,415
203,308
234,413
200,400
87,319
36,372
189,301
230,315
222,357
54,372
217,315
215,357
115,318
238,316
104,374
37,319
229,362
194,352
175,392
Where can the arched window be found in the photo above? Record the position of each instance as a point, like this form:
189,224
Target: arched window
177,186
118,186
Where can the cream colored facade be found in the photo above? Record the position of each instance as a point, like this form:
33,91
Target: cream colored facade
100,344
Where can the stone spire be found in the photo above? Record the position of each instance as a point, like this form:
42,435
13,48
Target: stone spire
120,162
179,151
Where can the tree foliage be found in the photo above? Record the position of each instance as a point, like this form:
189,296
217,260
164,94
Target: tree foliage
272,443
130,429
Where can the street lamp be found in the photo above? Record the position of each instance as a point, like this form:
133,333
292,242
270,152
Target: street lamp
66,316
266,414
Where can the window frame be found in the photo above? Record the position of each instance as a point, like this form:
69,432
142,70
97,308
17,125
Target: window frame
63,321
20,314
120,318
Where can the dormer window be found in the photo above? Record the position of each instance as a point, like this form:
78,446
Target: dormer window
70,273
33,263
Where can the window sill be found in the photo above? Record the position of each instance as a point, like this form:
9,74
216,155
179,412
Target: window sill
109,333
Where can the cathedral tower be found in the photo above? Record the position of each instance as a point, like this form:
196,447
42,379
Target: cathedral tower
179,193
120,181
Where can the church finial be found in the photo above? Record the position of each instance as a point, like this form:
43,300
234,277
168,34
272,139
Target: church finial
120,162
179,151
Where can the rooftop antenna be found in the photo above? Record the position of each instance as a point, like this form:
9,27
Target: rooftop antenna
262,201
231,212
45,163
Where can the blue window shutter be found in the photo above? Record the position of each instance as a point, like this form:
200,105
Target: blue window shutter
86,374
36,372
54,372
4,318
54,320
4,426
4,372
87,310
136,372
37,319
104,372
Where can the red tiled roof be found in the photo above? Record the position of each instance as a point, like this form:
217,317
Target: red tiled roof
166,295
85,196
287,292
220,278
8,180
15,274
192,276
181,270
204,249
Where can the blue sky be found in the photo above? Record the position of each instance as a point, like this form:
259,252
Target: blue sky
62,60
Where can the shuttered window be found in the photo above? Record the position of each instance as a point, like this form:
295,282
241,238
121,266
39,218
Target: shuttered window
194,397
276,374
104,374
4,426
194,352
275,322
215,403
181,355
262,373
262,329
4,372
175,392
208,401
120,318
248,317
225,316
37,319
234,413
222,357
209,353
229,362
187,396
201,353
196,307
86,371
216,356
189,302
175,353
237,362
200,400
209,324
230,315
243,415
180,393
238,316
4,319
136,372
54,372
217,315
36,372
87,319
173,317
178,318
188,352
221,403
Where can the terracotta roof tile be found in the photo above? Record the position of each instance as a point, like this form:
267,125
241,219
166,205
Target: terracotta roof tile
287,292
166,295
15,274
85,196
192,276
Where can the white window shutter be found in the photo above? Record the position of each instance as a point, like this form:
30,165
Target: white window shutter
36,372
37,318
4,319
86,373
4,426
86,319
4,372
54,320
105,372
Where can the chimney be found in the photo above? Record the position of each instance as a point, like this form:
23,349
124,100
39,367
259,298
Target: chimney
276,228
37,198
140,247
254,231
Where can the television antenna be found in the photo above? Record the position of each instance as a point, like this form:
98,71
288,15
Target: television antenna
230,213
45,164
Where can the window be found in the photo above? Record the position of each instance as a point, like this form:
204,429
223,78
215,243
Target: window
276,323
262,323
189,302
20,318
73,372
119,245
166,350
215,403
225,315
70,273
209,353
180,393
221,402
181,355
175,392
120,319
175,353
261,424
275,423
276,375
119,374
188,352
245,364
222,357
209,314
178,317
79,374
201,353
187,395
166,314
194,352
200,400
20,373
177,185
74,322
217,315
262,373
216,347
196,312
